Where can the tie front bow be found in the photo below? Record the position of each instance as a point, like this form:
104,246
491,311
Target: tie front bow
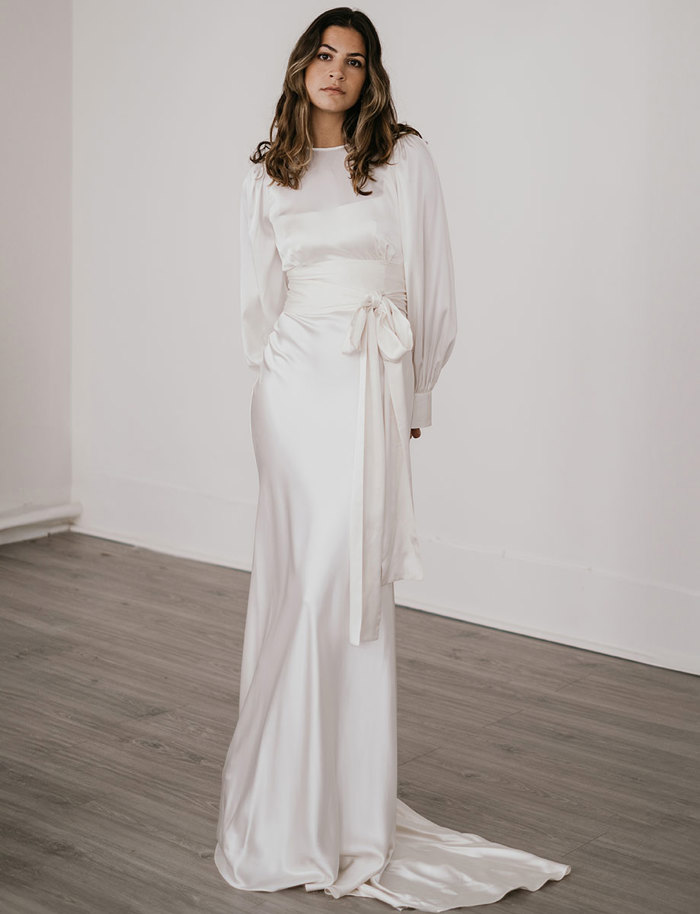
391,326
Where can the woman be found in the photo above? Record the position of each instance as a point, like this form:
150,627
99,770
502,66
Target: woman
348,315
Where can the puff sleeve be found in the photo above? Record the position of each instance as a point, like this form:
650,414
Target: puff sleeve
263,284
428,267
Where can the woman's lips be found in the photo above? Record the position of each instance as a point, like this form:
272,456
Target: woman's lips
334,91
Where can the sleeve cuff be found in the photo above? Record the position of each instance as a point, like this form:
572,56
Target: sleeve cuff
422,410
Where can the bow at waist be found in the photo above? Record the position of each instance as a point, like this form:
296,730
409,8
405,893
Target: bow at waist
383,545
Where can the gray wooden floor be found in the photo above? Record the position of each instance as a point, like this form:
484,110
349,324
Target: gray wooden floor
119,696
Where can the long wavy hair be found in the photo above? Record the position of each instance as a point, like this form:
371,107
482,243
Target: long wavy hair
370,129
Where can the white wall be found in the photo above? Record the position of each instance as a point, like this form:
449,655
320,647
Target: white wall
571,413
556,492
35,254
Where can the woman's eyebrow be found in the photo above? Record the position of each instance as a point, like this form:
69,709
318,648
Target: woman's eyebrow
353,54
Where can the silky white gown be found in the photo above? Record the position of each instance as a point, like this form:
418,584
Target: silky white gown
348,316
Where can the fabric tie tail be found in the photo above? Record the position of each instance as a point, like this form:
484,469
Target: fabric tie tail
383,542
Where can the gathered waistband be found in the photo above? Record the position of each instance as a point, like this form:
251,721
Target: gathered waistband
332,285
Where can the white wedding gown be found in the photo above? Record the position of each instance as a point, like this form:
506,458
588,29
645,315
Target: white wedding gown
348,316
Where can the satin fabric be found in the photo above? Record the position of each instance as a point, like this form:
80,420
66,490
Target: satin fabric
383,543
309,784
402,221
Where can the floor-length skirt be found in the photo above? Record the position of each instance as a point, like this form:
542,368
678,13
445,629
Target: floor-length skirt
309,785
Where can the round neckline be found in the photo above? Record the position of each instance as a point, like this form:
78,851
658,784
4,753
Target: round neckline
323,148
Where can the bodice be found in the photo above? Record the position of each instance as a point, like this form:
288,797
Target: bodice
325,220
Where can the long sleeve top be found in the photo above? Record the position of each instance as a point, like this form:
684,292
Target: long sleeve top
404,220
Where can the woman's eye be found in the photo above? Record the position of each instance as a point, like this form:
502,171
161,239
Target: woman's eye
354,62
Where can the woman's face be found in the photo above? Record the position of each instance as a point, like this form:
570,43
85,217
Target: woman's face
339,62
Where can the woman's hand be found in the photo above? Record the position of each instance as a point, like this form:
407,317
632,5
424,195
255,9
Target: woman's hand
415,433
